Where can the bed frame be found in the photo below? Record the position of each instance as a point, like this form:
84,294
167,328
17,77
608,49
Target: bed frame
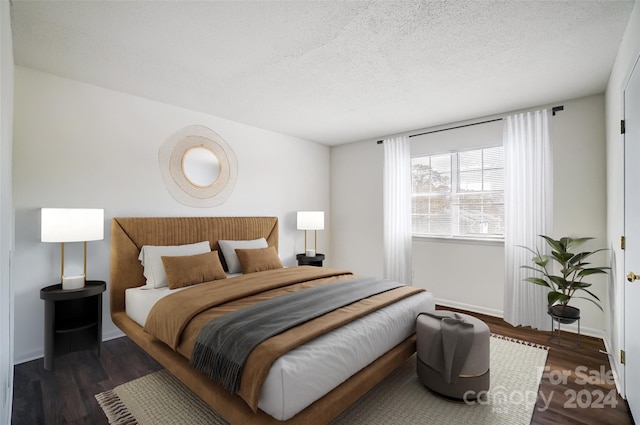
128,235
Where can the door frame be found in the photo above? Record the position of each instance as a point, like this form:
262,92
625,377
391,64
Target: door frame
622,371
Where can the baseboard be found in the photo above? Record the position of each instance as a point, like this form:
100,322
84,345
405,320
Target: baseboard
573,328
39,353
27,357
469,307
613,364
116,333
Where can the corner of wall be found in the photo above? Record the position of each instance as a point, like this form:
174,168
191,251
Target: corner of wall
626,56
6,213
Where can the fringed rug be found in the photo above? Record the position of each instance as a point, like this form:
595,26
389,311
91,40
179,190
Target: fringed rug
516,369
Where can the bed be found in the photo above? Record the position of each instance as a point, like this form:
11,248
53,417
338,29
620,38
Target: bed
310,400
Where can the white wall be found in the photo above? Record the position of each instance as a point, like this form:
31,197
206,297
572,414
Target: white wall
356,208
471,274
627,54
434,259
579,198
77,145
6,214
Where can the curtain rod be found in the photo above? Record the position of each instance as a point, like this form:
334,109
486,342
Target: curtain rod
553,112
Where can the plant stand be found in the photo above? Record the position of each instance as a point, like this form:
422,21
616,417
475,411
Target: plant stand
557,339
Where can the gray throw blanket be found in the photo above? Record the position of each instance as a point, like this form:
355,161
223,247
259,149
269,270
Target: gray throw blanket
451,345
224,344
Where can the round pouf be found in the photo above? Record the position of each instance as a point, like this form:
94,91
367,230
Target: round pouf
473,378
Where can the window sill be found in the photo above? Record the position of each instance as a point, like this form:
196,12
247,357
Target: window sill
460,240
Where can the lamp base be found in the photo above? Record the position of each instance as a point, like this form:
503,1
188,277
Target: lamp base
72,282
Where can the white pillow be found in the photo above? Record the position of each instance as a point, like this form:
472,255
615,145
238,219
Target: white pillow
229,251
151,259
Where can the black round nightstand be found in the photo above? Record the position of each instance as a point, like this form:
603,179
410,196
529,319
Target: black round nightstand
72,319
316,260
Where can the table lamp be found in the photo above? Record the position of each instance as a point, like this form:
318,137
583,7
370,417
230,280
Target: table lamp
310,220
72,225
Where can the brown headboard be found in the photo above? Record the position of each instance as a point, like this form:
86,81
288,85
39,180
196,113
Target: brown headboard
128,235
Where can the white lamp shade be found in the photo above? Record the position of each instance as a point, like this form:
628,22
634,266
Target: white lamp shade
310,220
72,225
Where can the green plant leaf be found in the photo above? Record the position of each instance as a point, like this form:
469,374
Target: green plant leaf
561,282
589,299
570,270
533,268
537,281
541,260
556,245
564,241
577,258
557,297
590,293
562,257
580,285
592,270
590,253
574,243
528,249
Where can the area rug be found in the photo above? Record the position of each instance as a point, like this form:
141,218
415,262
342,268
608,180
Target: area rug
516,369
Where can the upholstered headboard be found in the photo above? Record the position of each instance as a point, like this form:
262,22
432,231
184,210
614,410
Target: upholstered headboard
128,235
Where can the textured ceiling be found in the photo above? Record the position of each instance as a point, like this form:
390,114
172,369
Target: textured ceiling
329,71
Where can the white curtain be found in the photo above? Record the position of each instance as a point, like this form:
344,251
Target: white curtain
528,201
397,210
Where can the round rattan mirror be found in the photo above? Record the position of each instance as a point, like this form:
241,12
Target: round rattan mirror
198,167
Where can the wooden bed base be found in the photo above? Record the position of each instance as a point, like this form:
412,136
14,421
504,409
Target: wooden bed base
128,235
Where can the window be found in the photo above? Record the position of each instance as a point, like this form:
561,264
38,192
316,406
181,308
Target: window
459,194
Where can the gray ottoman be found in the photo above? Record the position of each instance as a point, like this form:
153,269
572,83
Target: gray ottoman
453,354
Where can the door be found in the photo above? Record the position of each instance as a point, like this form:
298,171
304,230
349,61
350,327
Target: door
632,236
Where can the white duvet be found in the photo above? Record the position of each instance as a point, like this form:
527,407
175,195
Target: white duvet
308,372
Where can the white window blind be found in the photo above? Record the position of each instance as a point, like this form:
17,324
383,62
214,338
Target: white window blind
459,194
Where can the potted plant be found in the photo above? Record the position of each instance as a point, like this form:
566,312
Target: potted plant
573,269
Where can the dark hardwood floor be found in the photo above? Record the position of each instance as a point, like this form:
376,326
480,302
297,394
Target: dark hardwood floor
577,386
66,395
